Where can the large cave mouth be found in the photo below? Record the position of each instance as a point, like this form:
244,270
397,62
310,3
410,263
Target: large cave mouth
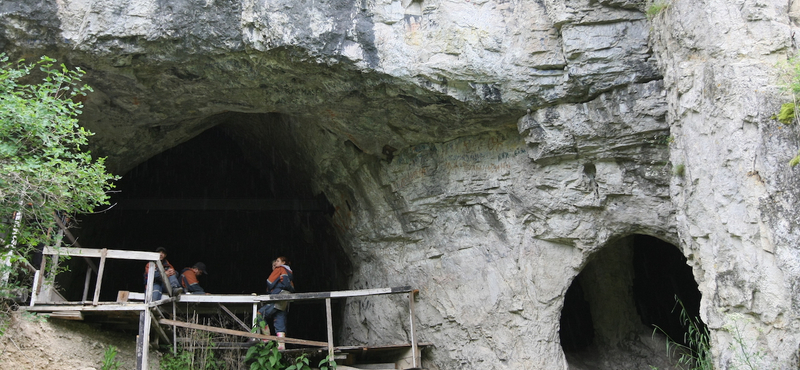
620,309
214,200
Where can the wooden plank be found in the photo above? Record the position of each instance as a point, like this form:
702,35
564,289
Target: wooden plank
66,315
387,365
148,290
35,287
96,253
99,281
214,329
42,274
329,321
164,279
143,340
159,329
415,362
231,298
122,296
174,334
86,284
54,308
385,347
240,322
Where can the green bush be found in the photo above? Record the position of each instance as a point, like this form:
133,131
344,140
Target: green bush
109,361
787,114
696,353
790,85
266,356
44,168
180,361
679,170
656,8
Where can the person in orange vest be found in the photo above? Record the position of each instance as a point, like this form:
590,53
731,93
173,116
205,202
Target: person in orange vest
189,279
279,281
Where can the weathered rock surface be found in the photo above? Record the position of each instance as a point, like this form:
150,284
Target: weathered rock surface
482,151
736,205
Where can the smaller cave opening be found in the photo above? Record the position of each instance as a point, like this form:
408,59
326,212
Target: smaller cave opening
620,309
577,330
664,286
208,200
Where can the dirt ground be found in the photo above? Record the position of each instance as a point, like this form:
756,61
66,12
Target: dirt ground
32,342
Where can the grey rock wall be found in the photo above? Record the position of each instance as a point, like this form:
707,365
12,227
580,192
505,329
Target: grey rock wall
528,137
735,206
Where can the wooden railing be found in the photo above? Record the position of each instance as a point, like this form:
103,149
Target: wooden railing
154,259
146,315
327,296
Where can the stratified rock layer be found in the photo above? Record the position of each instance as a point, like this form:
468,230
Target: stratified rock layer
481,151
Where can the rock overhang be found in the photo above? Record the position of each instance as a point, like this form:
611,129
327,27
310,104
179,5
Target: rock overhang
172,66
489,132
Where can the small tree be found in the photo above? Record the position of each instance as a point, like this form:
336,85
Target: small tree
43,167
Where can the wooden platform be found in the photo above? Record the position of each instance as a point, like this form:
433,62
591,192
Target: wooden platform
162,317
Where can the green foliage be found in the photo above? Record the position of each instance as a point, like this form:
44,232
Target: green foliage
790,85
327,363
696,354
300,363
43,167
188,360
656,8
795,160
787,113
660,140
181,361
109,362
747,356
679,170
265,356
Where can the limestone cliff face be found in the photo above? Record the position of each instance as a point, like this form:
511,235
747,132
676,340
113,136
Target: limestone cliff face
482,151
736,205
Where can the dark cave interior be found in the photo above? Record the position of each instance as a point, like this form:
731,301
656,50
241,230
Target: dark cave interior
656,272
203,201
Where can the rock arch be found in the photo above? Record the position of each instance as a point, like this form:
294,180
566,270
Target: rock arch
627,288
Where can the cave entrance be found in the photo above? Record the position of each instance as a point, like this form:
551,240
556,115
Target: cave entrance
232,206
612,307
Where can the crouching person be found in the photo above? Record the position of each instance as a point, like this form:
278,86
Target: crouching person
158,283
189,278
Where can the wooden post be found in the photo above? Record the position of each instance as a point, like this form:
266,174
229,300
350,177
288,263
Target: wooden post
240,333
415,362
86,284
330,328
143,340
99,281
174,334
38,284
160,330
148,291
235,318
35,287
164,279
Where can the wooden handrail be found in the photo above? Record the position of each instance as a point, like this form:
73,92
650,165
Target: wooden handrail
225,298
